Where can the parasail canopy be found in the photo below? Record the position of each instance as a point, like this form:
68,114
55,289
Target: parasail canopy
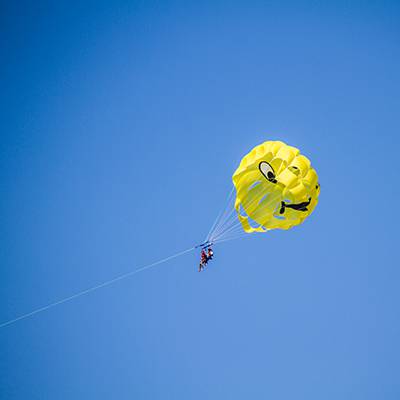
276,188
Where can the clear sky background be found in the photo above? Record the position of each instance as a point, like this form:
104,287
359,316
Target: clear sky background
121,125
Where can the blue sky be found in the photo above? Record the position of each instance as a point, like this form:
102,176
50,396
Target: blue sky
122,123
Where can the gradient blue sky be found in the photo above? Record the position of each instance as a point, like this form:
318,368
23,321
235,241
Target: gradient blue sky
121,124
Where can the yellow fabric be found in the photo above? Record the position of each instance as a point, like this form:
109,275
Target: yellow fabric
291,185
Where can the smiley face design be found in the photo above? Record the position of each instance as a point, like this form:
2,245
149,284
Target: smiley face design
276,188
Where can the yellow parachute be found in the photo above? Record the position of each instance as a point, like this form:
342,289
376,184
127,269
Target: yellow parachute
276,188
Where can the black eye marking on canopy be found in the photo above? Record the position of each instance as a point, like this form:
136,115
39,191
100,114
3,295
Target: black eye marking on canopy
298,207
268,172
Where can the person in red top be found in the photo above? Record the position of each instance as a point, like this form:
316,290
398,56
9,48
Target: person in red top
203,260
